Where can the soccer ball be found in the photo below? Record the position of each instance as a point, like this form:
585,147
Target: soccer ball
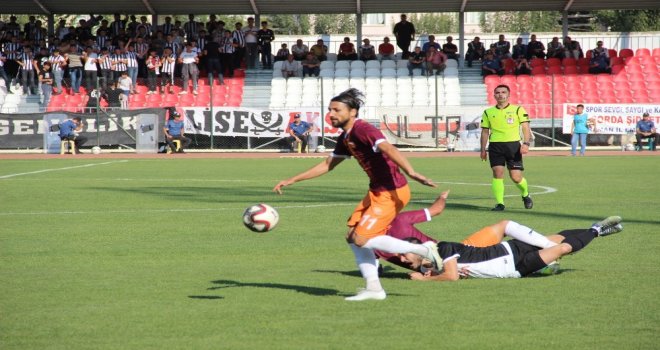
260,217
96,150
320,149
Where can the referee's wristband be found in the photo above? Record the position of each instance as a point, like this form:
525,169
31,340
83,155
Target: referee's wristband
526,143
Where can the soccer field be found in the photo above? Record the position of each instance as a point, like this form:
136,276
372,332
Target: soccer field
152,254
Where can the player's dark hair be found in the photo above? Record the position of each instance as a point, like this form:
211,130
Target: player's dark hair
353,98
412,240
580,105
503,86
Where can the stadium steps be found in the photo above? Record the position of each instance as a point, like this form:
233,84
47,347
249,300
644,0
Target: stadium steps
473,89
18,103
256,91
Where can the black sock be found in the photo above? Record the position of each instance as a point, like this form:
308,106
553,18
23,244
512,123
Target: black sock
578,239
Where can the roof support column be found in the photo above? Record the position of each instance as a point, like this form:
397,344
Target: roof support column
564,24
461,38
358,30
154,23
51,24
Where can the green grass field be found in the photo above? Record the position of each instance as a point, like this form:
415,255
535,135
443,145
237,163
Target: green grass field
152,254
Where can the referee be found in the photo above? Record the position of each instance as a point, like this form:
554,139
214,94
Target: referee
501,126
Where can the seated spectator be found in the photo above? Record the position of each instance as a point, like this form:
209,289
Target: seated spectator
491,65
502,48
386,50
429,44
320,50
416,60
435,60
299,131
555,49
600,50
282,53
535,48
290,67
69,132
124,83
112,95
599,63
450,49
299,50
311,66
347,51
367,51
645,129
572,48
522,66
519,49
174,130
475,51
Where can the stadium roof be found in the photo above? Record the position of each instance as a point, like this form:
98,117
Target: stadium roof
243,7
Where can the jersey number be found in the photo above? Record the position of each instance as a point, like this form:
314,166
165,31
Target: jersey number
368,221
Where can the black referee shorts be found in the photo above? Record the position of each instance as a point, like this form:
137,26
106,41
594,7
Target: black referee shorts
526,257
505,153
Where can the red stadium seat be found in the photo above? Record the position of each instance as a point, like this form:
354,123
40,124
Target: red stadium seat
642,51
583,62
570,70
652,78
656,52
625,53
624,99
618,69
538,70
583,69
569,62
615,61
612,53
537,62
509,66
555,70
604,78
632,69
621,86
552,62
636,77
509,80
524,79
492,79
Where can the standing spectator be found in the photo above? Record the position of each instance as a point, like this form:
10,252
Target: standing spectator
191,28
311,66
168,64
125,83
290,67
404,32
189,60
431,43
57,62
579,130
227,49
213,63
102,40
153,71
144,28
599,63
320,50
522,66
250,33
239,44
299,131
645,129
27,71
166,28
435,60
386,50
416,60
46,81
131,65
572,48
113,95
105,64
450,49
117,26
475,51
347,51
500,131
174,130
91,70
266,36
519,50
299,50
69,131
367,51
282,53
502,48
555,49
491,65
142,51
118,63
535,48
13,50
173,44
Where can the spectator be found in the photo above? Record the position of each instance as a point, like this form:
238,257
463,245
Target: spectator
404,32
27,71
282,53
299,131
299,50
599,63
386,50
579,130
502,48
238,39
191,28
131,64
475,51
572,48
416,59
429,44
535,48
91,70
347,51
367,51
69,132
113,95
311,66
57,63
450,49
491,65
645,129
555,49
213,62
266,36
227,49
522,66
290,67
105,64
124,84
435,60
174,130
153,71
118,63
46,80
189,60
251,33
168,61
320,50
600,50
519,49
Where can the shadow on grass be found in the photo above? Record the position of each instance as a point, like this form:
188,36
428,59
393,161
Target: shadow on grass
386,272
208,297
301,289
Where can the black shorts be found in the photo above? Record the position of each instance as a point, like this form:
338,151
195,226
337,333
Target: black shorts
526,257
501,153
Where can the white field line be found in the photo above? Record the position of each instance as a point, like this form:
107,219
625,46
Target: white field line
60,169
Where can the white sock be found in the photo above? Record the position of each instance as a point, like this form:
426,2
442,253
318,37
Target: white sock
393,245
368,265
527,235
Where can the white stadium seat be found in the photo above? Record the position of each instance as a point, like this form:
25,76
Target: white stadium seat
388,72
278,65
450,71
373,72
357,83
327,73
357,73
387,64
342,73
402,64
327,65
342,65
358,64
373,64
452,63
278,83
332,57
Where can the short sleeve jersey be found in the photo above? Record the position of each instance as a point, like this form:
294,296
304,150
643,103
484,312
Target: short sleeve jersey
67,128
403,227
489,262
174,128
645,126
504,124
361,142
580,124
299,129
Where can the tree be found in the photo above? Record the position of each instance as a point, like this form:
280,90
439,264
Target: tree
290,24
628,20
520,22
334,24
434,23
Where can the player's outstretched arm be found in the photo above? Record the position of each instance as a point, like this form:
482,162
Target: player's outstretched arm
393,153
439,205
318,170
449,273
